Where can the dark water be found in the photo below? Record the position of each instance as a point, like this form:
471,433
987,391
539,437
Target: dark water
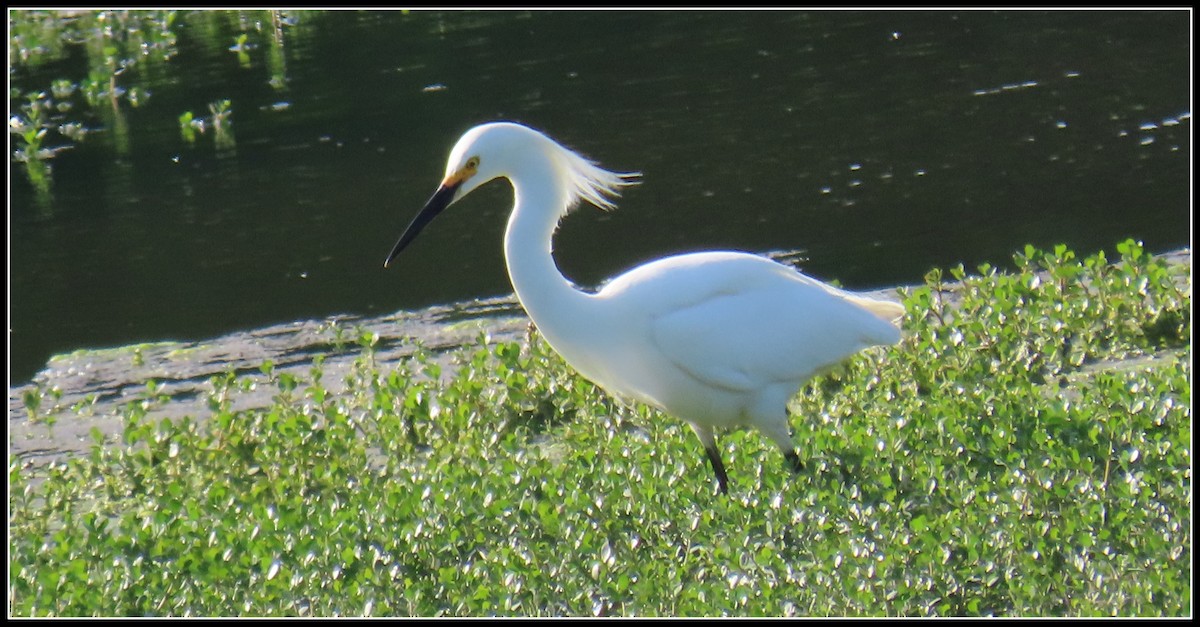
879,143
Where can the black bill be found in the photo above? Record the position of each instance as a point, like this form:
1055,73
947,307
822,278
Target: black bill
436,203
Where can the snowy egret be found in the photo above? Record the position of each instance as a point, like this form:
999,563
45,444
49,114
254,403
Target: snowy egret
718,339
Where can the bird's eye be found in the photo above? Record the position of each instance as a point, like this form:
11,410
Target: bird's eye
473,163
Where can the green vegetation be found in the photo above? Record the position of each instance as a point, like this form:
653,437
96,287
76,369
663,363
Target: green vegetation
189,124
124,52
1024,451
120,47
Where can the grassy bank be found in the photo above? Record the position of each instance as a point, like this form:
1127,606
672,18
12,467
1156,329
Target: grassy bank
1025,450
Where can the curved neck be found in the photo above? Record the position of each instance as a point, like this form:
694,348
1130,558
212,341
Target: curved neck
548,297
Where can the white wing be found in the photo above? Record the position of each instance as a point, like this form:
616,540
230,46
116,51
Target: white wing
741,322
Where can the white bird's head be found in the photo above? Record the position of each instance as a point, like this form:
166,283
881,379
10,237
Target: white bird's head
504,150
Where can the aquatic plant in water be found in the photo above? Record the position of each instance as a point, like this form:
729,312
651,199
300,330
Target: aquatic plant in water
122,50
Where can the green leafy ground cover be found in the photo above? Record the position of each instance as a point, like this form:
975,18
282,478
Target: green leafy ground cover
1025,450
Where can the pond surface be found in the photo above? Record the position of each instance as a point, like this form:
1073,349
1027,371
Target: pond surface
879,144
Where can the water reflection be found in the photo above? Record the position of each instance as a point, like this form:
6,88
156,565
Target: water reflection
276,58
880,143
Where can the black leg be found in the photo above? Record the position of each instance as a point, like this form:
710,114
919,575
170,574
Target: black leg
714,456
793,460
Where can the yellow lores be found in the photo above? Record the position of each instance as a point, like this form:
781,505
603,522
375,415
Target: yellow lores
458,176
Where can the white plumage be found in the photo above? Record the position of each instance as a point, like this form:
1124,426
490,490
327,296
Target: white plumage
719,339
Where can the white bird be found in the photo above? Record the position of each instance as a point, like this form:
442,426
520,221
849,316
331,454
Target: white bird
718,339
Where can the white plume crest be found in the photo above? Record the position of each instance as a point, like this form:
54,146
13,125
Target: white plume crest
590,182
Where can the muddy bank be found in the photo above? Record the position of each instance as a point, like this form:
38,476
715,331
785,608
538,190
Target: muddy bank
99,382
93,385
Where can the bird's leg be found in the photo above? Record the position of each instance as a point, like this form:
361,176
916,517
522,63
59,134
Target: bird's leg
793,460
773,421
714,456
